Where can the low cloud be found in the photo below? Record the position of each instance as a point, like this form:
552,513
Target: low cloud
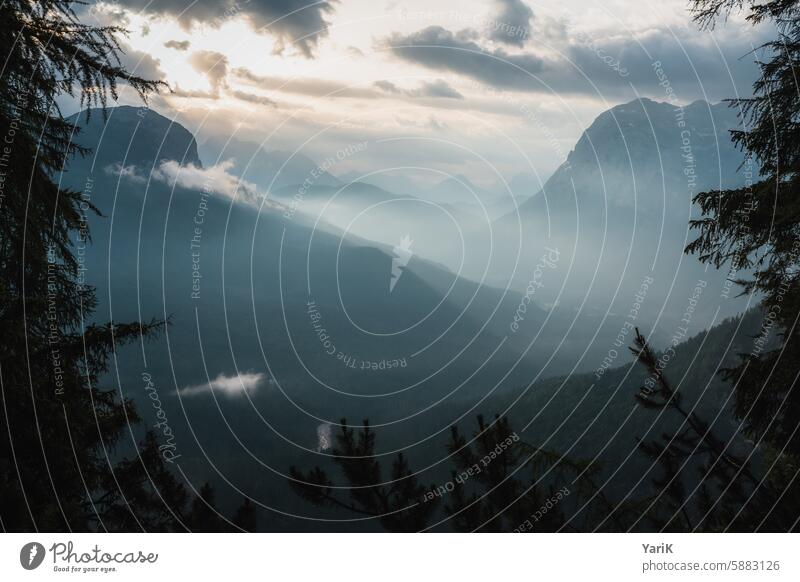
125,172
230,386
217,179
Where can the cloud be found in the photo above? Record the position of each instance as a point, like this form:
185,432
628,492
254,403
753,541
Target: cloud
252,98
141,64
441,49
700,66
231,386
299,24
178,92
512,24
303,85
125,172
178,45
217,179
103,14
213,65
437,88
388,87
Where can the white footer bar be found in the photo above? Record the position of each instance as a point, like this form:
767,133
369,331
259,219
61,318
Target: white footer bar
399,557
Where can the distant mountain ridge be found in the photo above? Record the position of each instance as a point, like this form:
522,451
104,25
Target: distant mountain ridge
270,169
264,262
137,136
279,298
400,211
621,204
634,152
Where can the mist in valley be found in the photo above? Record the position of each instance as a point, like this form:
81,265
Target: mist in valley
425,274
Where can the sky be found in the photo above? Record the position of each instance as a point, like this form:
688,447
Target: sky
486,89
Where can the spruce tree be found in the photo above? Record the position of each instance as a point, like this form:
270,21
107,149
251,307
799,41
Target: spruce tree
59,429
756,230
498,483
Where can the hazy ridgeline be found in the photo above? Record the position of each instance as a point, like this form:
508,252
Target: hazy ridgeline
206,333
279,295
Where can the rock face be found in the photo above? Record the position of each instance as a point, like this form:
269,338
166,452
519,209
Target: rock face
620,206
134,136
644,153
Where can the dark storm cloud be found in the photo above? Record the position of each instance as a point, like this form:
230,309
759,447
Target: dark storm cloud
699,65
512,23
294,23
441,49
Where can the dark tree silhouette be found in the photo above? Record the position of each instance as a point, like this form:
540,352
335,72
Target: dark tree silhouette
756,230
59,431
246,518
497,483
693,449
396,505
506,494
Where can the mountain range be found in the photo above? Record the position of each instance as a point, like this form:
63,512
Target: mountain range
290,307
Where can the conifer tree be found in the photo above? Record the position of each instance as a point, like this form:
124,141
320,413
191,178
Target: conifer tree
60,431
498,483
756,230
246,518
393,499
